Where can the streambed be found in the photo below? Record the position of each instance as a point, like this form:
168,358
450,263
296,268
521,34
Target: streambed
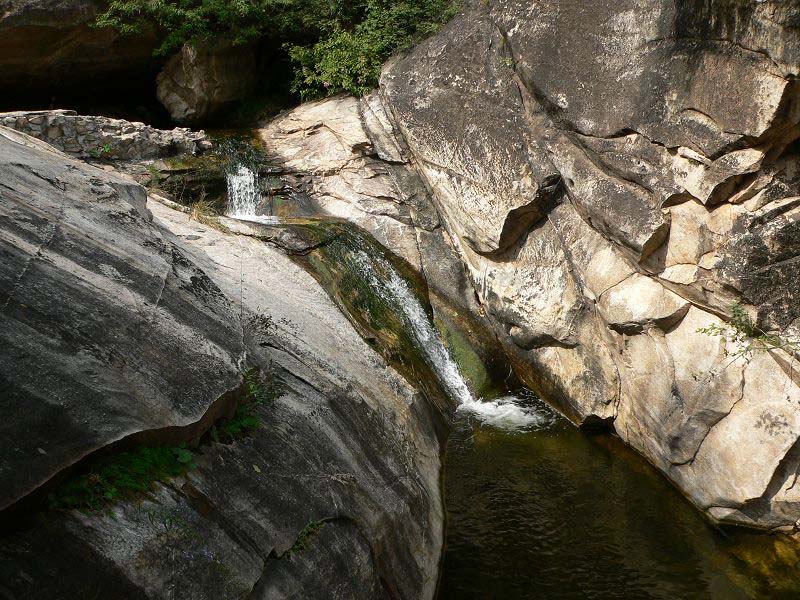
551,512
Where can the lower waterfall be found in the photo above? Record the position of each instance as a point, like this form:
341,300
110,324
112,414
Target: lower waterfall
508,412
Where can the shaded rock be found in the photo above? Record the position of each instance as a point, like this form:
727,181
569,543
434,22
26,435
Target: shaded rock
200,80
50,44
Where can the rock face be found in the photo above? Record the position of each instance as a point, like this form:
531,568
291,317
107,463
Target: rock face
101,137
615,176
340,153
608,202
49,44
160,315
344,158
91,286
199,81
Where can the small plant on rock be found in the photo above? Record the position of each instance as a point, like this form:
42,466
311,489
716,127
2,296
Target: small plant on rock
306,534
103,152
122,476
245,420
747,338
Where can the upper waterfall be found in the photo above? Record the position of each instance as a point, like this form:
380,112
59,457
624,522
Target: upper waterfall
243,192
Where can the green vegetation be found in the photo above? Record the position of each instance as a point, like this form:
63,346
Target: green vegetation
130,474
245,420
199,182
748,338
334,45
350,58
339,264
122,476
306,535
463,351
102,152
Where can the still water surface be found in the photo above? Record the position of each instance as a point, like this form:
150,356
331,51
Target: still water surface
551,512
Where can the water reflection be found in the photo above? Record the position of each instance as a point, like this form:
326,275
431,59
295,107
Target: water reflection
554,513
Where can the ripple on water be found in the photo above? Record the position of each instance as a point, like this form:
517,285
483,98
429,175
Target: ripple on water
538,509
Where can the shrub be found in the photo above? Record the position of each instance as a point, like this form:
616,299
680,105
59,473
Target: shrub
747,338
351,59
335,45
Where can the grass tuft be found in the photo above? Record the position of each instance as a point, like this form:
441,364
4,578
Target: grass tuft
122,476
131,474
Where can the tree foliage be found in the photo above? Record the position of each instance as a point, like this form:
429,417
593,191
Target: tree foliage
335,45
350,59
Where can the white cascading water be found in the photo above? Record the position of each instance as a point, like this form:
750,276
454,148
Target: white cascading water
243,199
503,412
243,192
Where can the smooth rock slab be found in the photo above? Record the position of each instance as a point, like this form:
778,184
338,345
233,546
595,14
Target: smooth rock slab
107,328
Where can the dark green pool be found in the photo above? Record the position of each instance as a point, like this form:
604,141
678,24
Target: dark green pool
555,513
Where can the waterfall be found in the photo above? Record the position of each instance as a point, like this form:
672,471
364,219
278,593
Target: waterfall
508,412
243,192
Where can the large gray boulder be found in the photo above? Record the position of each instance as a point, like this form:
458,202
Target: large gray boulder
121,318
615,175
107,329
203,78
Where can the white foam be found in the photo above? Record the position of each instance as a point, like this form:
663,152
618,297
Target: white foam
263,219
509,412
